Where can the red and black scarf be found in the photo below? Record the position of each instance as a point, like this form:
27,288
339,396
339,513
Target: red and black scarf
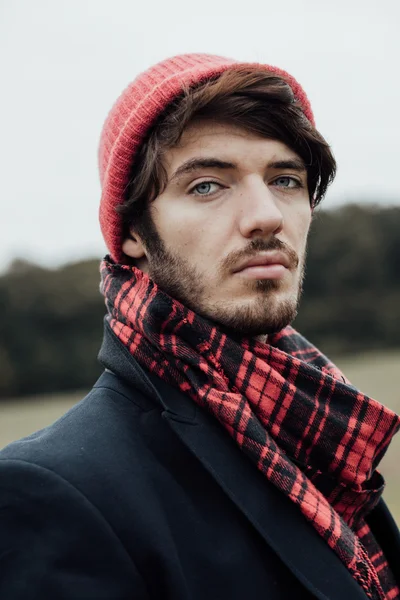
312,434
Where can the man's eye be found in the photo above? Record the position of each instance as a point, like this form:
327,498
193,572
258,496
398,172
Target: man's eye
287,182
205,188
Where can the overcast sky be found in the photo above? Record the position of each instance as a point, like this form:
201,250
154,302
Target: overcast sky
64,62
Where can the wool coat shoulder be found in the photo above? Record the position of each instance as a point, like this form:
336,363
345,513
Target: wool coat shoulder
137,493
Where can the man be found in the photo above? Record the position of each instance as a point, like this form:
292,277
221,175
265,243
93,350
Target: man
220,454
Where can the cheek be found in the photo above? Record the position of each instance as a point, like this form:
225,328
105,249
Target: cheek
299,226
191,231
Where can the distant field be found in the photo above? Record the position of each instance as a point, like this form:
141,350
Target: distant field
375,374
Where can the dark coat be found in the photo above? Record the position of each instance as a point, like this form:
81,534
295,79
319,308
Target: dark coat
136,493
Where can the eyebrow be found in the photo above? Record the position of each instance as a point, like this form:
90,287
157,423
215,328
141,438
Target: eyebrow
194,164
201,163
295,164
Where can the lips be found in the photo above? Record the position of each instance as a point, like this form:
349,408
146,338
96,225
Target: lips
263,260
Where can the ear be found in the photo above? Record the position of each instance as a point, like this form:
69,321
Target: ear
133,246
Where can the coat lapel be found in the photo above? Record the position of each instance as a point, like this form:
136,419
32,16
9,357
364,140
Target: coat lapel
387,535
274,516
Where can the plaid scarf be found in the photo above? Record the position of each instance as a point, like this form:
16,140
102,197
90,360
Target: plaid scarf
312,434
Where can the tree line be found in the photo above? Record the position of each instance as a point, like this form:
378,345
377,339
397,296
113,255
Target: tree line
51,319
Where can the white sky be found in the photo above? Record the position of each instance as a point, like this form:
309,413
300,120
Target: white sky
64,62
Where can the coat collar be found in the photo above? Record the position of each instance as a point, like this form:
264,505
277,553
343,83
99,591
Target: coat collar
304,552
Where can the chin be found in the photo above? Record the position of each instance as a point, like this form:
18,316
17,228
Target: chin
250,319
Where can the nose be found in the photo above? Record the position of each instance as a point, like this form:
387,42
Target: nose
259,210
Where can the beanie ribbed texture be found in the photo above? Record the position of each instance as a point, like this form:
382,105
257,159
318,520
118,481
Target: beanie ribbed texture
137,109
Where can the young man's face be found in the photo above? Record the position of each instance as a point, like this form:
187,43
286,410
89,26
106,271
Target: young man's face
228,201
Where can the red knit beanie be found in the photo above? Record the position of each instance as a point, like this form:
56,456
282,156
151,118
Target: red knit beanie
137,109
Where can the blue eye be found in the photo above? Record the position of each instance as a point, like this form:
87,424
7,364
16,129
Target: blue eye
287,182
205,188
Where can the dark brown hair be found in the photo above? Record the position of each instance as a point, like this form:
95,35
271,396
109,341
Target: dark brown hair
251,98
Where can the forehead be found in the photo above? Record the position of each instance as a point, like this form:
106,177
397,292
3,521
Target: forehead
227,142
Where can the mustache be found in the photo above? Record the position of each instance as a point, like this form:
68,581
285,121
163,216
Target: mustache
255,247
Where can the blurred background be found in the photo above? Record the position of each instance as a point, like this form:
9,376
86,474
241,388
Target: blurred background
63,64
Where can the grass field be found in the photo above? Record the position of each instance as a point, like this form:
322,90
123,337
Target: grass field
374,374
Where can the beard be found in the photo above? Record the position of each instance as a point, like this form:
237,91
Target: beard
265,313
